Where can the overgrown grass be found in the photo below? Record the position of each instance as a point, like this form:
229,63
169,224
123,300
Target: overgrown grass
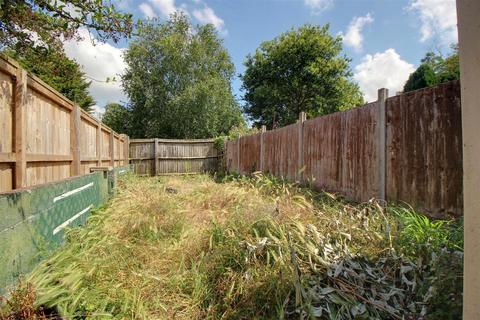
251,248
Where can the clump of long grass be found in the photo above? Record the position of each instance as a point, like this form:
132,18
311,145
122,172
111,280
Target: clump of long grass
250,248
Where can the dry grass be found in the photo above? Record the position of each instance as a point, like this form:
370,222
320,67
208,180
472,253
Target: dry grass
246,248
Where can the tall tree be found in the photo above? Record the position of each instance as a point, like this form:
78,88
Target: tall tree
178,80
300,70
57,70
28,23
117,117
423,77
434,69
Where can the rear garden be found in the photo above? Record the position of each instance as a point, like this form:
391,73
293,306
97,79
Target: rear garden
209,247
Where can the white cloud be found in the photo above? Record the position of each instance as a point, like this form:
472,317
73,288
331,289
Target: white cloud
438,19
147,10
98,111
382,70
99,62
318,6
207,15
166,7
354,37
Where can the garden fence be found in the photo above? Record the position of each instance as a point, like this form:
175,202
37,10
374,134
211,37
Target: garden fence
170,156
406,148
45,137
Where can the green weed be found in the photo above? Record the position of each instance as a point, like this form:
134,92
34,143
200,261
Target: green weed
251,248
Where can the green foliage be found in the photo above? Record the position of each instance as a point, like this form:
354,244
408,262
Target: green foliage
254,247
58,71
117,117
434,70
29,23
300,70
420,236
241,130
423,77
437,245
178,81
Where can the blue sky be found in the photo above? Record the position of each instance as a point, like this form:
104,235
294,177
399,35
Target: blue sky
385,39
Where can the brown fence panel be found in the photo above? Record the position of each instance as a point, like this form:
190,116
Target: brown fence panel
142,156
231,155
7,155
164,156
343,152
250,153
340,152
424,153
281,152
44,137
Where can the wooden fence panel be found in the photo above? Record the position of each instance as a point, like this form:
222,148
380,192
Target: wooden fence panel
343,152
105,146
172,156
88,146
42,137
6,129
281,152
340,152
250,153
424,154
142,156
6,113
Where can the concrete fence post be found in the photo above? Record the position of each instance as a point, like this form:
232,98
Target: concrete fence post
468,12
382,140
262,150
301,119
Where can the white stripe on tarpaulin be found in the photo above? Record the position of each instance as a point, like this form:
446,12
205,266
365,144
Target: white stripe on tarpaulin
72,192
66,223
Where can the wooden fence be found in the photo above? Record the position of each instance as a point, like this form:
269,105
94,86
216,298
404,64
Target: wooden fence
407,148
164,156
45,137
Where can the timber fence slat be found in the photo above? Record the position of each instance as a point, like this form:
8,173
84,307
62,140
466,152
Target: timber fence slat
406,148
163,156
45,137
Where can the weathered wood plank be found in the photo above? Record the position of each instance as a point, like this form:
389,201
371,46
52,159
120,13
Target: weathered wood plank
20,129
160,156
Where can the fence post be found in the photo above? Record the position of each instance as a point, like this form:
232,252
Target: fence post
262,151
75,139
382,134
155,156
468,12
112,149
20,129
301,119
99,144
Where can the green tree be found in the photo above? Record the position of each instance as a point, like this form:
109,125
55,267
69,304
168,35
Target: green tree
28,23
433,70
423,77
117,117
57,70
178,80
300,70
